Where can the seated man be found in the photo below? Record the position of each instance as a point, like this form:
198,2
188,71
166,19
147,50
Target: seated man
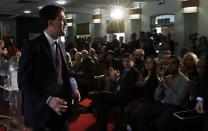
170,94
85,74
139,59
124,93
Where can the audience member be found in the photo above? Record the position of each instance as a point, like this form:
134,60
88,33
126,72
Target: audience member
114,44
72,53
203,95
188,66
147,84
133,44
124,93
85,74
139,59
93,55
149,46
77,61
203,43
170,94
123,48
141,39
68,61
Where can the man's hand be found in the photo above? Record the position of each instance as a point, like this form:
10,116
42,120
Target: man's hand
199,107
58,105
141,82
162,80
160,77
77,96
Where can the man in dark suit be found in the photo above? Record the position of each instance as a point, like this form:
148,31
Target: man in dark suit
125,92
46,84
202,99
134,43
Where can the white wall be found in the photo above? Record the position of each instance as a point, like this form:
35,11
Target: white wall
203,18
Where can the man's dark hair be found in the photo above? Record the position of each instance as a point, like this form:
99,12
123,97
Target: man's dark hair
116,65
133,35
49,12
176,59
128,55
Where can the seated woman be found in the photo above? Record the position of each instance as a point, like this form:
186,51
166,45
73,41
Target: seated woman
188,66
147,83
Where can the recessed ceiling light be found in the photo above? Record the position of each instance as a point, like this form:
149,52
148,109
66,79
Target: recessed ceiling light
61,2
27,11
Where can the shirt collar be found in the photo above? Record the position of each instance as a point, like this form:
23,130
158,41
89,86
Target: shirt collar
49,38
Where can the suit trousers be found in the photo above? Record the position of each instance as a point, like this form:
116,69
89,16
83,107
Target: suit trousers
205,124
54,123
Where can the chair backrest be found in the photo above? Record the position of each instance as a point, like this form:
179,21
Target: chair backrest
3,127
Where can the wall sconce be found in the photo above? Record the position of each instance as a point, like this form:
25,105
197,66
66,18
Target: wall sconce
190,6
96,18
135,13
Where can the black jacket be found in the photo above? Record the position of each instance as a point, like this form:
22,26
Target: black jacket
127,86
37,78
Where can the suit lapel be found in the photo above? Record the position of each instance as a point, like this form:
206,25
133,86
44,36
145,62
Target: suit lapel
47,50
63,52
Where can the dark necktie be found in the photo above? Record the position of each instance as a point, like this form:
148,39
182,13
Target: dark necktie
58,64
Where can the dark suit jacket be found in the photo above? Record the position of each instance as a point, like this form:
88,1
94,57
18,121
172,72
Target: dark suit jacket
132,45
87,67
37,78
127,84
203,82
147,92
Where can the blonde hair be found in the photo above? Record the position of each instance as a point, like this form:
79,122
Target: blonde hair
192,55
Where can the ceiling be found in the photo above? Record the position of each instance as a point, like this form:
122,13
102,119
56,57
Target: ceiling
13,8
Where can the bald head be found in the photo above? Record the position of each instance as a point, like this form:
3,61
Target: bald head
85,54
